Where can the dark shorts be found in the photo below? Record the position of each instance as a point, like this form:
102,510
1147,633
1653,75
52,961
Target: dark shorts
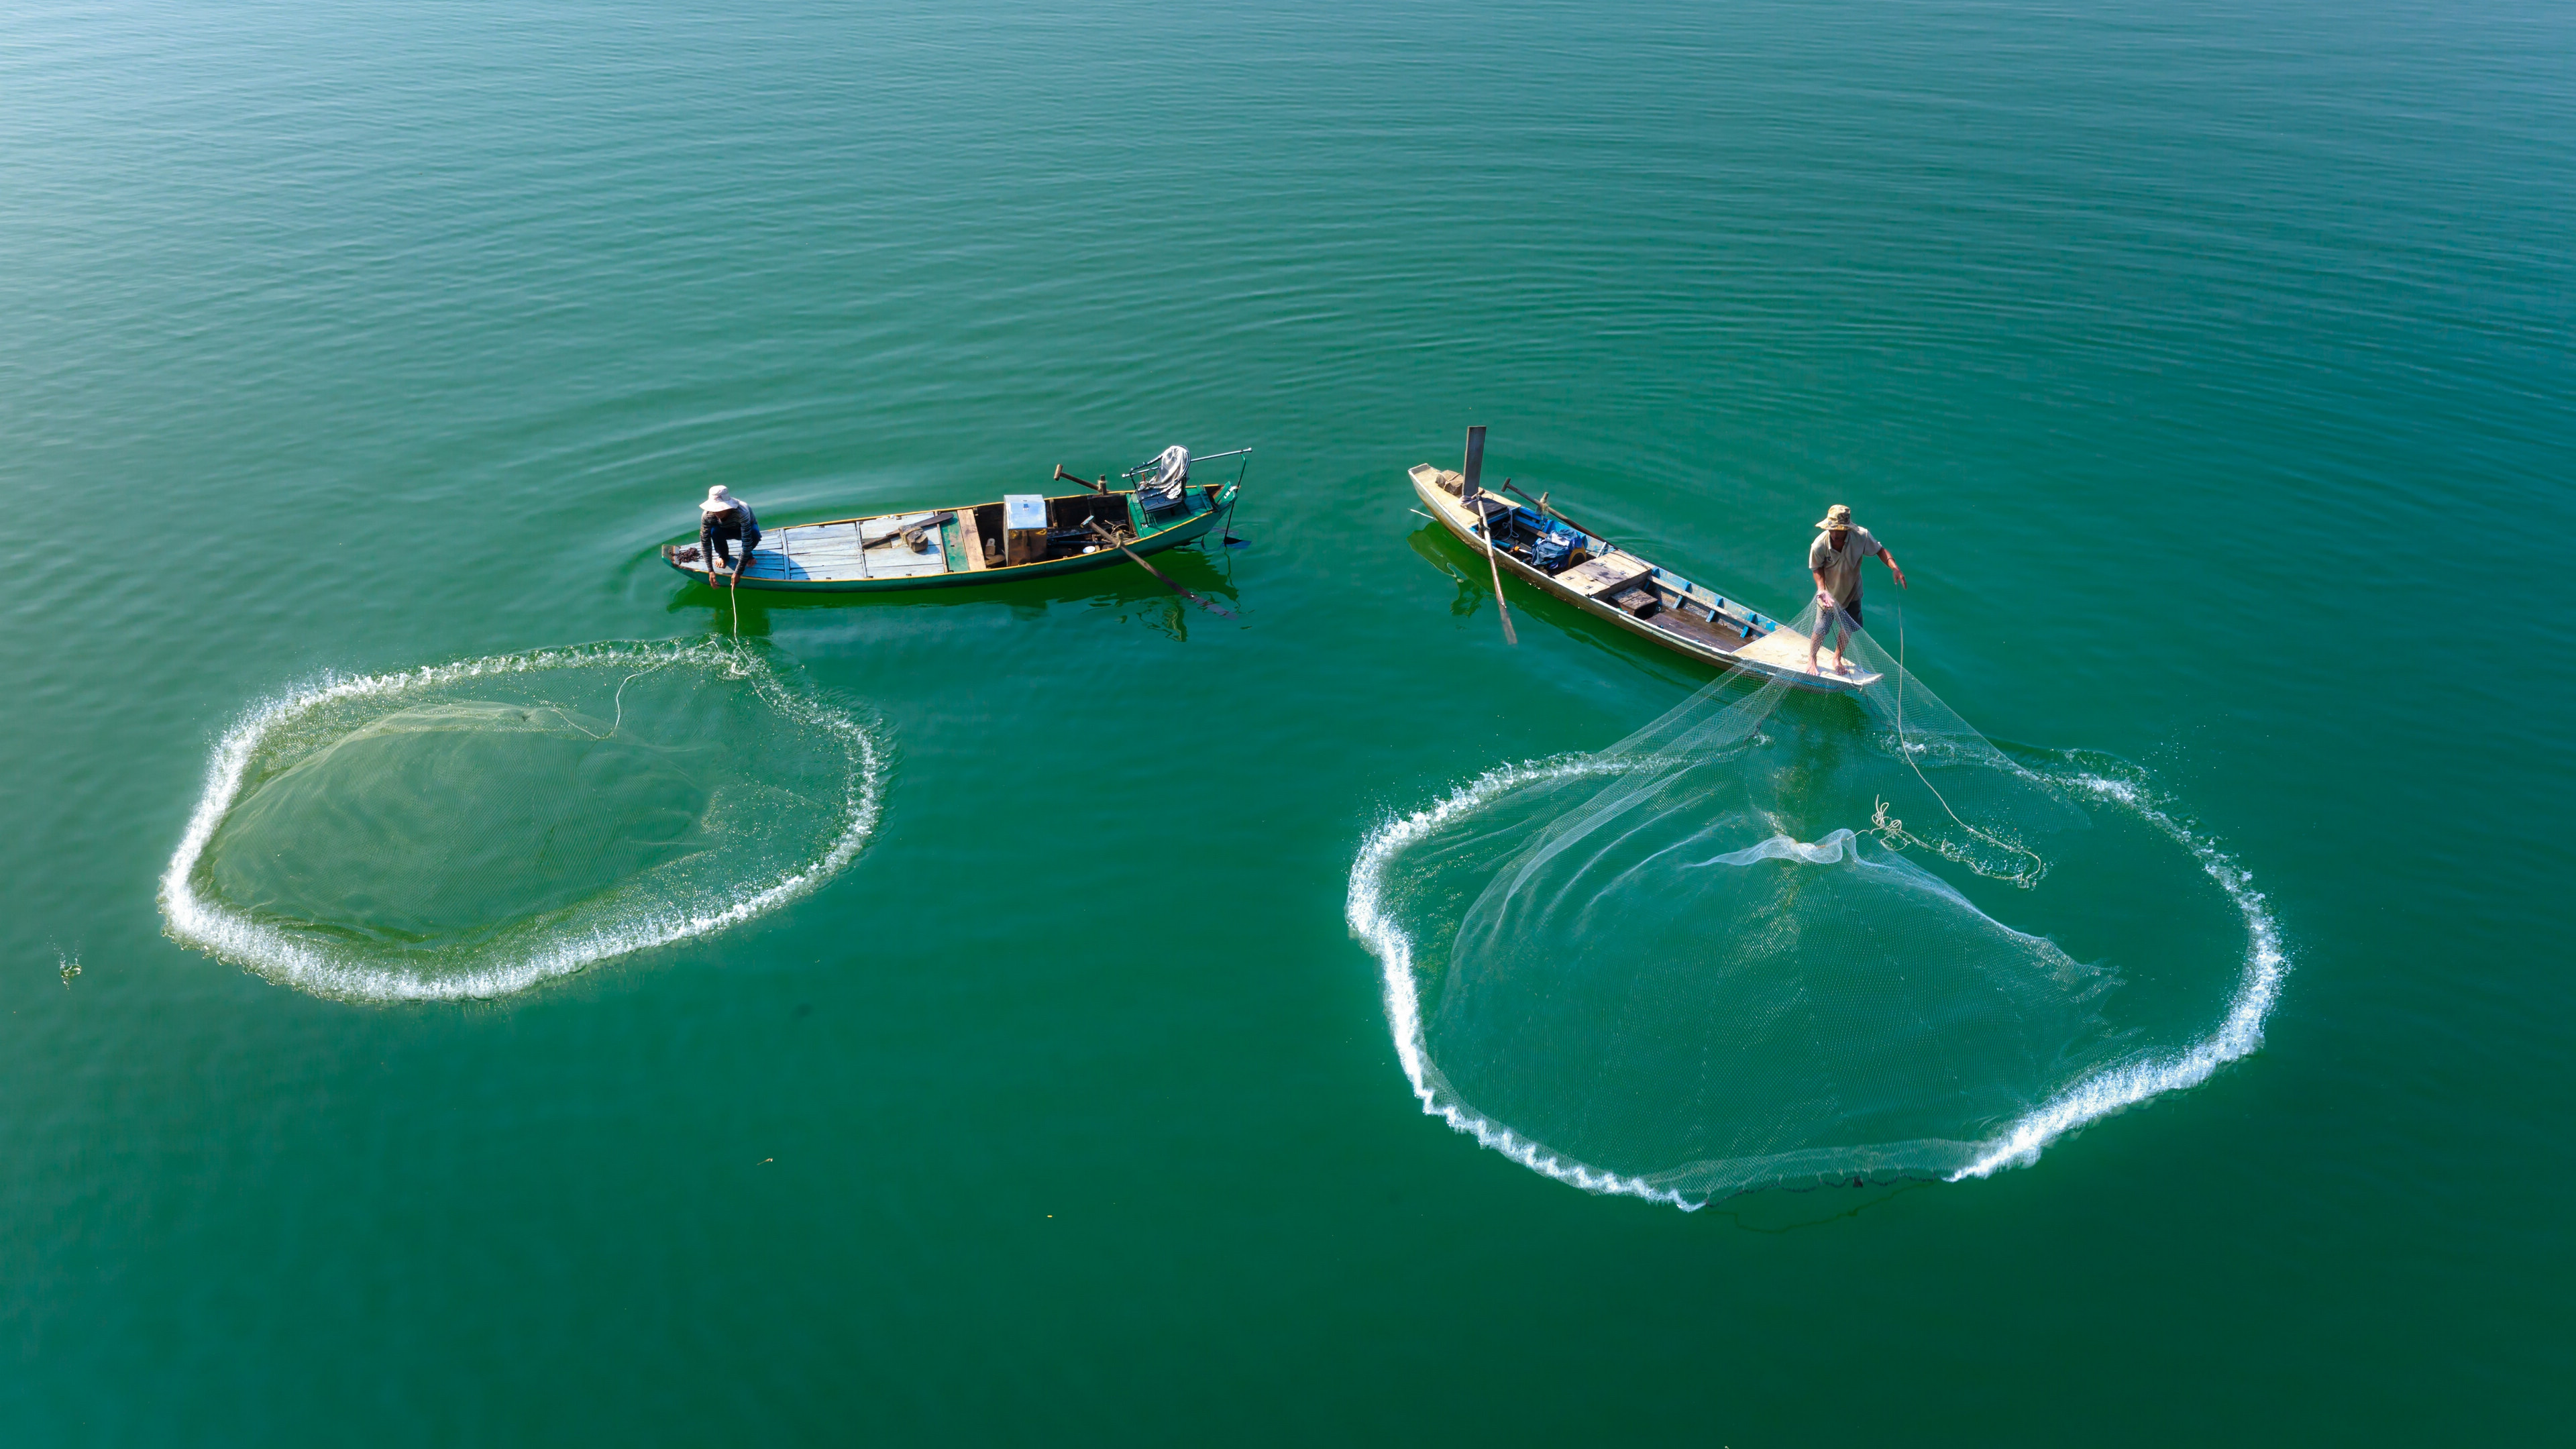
716,530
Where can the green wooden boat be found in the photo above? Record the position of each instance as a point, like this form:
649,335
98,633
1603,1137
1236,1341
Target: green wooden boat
1020,536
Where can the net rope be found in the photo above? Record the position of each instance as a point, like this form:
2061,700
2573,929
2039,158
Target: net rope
1892,831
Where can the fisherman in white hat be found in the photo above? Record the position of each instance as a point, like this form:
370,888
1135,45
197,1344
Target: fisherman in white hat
723,517
1834,558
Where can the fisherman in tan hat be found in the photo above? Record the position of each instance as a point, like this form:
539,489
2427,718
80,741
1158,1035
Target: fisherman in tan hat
1834,558
723,518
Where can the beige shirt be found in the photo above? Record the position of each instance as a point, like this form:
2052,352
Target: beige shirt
1841,567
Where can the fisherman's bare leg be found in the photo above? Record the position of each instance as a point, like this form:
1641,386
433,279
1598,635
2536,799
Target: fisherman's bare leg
1846,623
1828,619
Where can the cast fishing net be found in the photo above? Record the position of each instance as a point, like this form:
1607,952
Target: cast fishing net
469,829
1783,937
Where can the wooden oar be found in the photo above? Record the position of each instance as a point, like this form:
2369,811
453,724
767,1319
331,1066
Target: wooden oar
1112,540
1486,521
1062,476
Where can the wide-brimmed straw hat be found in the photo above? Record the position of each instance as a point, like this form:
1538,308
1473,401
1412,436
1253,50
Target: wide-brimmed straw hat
717,500
1838,516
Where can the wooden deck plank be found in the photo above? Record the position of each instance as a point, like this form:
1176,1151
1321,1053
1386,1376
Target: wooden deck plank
834,552
1698,632
1606,575
1785,648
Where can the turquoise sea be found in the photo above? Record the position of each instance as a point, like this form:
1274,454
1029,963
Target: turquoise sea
2207,364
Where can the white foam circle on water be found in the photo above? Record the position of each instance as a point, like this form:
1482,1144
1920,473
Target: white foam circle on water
715,855
2087,1098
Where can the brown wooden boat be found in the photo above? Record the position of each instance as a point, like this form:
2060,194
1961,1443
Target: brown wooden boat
1542,548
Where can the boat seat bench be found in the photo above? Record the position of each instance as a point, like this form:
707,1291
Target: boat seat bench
1607,576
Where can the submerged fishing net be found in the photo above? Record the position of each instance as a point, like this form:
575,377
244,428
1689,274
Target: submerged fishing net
470,829
1783,937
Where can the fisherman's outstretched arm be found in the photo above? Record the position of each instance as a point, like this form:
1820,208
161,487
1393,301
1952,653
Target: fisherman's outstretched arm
1890,560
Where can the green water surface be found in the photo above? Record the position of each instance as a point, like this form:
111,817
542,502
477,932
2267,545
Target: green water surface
2207,365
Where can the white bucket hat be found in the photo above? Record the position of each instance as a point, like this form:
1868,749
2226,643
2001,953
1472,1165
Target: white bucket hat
717,500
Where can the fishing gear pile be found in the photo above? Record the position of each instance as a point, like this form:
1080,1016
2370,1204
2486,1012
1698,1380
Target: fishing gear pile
470,829
1791,938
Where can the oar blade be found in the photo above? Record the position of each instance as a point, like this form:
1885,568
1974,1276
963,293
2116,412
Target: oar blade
1167,581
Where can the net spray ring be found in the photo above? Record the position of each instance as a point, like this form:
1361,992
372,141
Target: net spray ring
1789,939
471,829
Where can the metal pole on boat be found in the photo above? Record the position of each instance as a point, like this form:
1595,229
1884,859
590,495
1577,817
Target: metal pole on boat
1226,530
1195,460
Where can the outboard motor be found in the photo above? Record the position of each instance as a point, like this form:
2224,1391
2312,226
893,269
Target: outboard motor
1164,488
